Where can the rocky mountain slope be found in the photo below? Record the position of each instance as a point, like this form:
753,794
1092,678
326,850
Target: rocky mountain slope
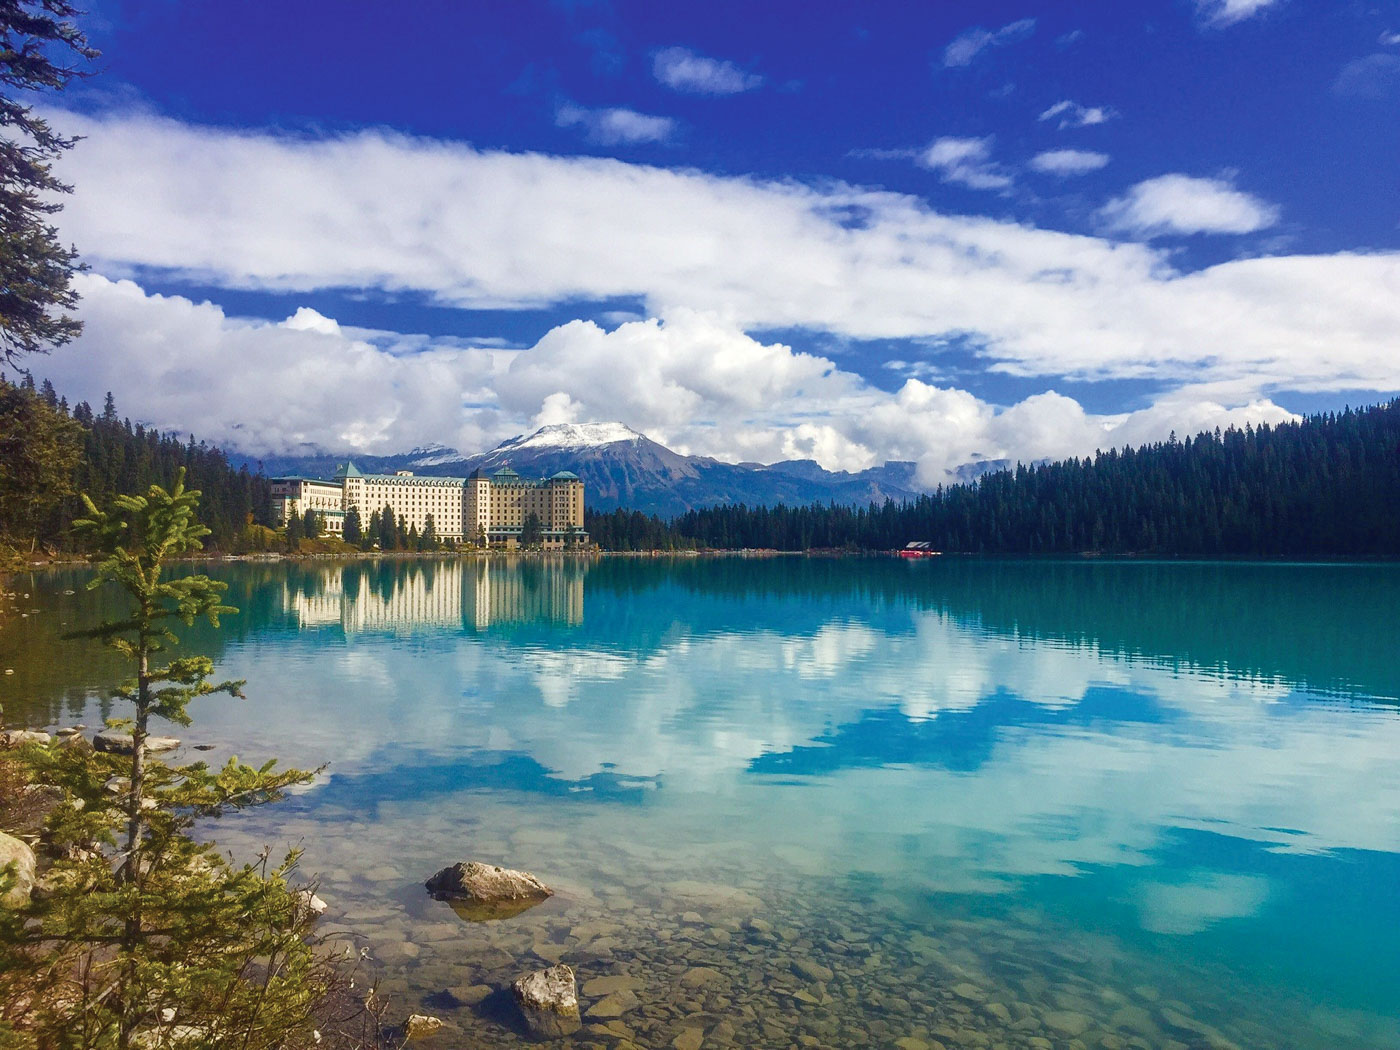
621,467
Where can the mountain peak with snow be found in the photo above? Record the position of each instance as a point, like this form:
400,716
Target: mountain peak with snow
433,454
574,436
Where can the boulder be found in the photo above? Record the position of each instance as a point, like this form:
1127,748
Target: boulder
119,742
16,853
548,1000
17,737
73,739
420,1026
480,892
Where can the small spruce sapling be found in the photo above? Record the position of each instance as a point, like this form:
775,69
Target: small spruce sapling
164,922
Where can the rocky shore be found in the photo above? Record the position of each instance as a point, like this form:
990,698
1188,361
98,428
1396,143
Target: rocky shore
692,963
736,954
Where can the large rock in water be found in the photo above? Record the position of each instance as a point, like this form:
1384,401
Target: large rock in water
548,1000
120,742
13,851
479,891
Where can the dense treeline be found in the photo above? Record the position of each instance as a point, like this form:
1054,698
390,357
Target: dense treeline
116,456
631,530
1327,486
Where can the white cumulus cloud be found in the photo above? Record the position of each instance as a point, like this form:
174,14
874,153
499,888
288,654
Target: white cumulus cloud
1074,115
1228,12
969,44
966,161
1183,204
615,125
682,69
266,387
1066,162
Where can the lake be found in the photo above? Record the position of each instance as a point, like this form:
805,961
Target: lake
826,802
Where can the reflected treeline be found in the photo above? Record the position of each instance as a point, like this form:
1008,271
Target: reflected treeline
1328,627
55,677
1331,628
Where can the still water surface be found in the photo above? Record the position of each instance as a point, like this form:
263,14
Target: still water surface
829,802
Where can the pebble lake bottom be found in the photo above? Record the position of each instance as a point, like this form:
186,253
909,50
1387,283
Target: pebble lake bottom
796,802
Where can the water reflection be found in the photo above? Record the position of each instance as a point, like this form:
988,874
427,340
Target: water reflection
403,596
1194,761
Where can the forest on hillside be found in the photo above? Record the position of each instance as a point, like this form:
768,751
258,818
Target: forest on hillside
50,454
1328,486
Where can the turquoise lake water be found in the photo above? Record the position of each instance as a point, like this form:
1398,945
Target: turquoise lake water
828,802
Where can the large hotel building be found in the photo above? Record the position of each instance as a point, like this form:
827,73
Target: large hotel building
494,506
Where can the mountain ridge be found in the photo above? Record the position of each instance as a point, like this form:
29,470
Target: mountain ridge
622,467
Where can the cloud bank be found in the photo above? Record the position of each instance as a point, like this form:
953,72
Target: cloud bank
693,381
713,262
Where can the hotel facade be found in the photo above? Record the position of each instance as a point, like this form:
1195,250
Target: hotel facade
494,506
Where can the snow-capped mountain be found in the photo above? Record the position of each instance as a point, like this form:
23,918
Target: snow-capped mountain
621,467
432,455
572,436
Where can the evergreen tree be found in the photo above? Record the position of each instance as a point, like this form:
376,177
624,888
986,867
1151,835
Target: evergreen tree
388,530
429,540
353,531
413,541
39,452
376,530
160,921
311,524
1326,486
532,532
296,531
40,50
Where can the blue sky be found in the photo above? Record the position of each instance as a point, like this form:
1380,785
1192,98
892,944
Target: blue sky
849,232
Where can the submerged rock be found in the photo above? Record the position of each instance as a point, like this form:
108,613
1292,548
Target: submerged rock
811,970
419,1026
13,851
1067,1022
480,892
614,1004
548,1000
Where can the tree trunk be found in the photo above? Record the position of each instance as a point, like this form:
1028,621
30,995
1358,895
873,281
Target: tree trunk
131,870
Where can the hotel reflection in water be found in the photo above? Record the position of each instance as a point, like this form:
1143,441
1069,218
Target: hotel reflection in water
446,594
